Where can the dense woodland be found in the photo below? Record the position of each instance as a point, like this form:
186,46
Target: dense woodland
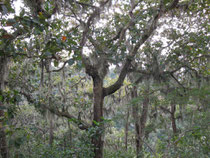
104,79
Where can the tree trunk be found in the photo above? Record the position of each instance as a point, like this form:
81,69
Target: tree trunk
51,133
135,110
173,119
70,134
51,130
140,121
3,142
98,97
126,129
143,119
3,77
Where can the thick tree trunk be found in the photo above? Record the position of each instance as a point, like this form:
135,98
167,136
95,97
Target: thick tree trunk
97,139
3,77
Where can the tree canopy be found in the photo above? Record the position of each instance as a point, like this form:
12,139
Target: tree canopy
104,78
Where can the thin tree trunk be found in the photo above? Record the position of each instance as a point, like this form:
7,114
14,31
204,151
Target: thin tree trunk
140,121
135,110
126,129
70,134
3,77
51,131
127,121
97,139
173,119
143,118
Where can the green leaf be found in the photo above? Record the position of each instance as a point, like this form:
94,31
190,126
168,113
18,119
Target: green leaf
72,42
47,53
56,63
1,98
71,62
166,1
96,123
73,120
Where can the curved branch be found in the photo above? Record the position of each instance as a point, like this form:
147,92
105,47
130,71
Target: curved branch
64,64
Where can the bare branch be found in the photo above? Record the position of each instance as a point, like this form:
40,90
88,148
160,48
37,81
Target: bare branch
165,109
154,153
64,64
177,81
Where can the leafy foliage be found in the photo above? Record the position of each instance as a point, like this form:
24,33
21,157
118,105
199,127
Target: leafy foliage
58,51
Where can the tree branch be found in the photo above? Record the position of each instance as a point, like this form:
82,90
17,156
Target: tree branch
86,30
147,33
81,124
165,109
64,64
